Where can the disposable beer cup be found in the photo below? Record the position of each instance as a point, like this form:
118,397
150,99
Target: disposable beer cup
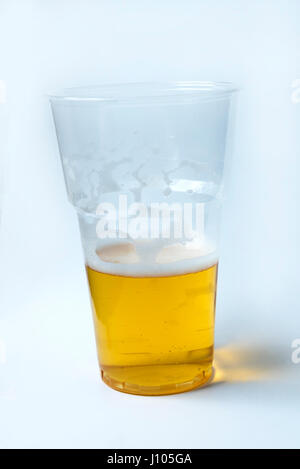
143,165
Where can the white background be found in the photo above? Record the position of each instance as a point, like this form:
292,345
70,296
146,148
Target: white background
50,391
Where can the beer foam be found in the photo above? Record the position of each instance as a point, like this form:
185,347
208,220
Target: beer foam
151,258
123,253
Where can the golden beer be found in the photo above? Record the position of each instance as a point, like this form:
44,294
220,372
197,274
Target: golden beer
155,335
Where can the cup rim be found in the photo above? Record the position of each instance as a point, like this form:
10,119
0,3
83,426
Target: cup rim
131,91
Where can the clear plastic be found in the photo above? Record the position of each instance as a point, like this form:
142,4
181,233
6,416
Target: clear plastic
143,166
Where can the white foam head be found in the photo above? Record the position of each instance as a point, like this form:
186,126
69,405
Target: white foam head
151,258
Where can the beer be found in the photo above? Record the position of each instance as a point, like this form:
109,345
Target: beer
155,334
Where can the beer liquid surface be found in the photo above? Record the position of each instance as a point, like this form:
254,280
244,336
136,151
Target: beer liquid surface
155,335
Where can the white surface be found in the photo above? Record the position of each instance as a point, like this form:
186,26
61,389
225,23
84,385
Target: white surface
50,390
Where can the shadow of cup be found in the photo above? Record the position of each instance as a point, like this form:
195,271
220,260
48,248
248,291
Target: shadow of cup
249,362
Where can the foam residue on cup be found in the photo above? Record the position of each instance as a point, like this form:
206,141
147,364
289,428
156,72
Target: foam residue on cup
150,258
122,253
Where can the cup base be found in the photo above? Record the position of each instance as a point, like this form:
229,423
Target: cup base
157,372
